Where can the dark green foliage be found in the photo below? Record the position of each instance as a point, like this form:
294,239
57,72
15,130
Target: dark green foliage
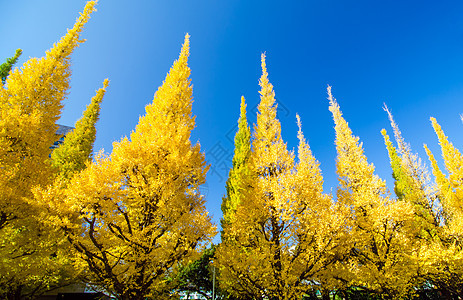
197,277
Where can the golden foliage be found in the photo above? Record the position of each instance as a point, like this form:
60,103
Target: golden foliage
285,232
140,207
30,105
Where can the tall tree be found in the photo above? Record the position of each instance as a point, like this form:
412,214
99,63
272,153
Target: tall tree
30,105
252,256
278,244
68,159
453,160
319,230
412,183
237,183
6,67
71,156
380,248
141,208
240,170
445,258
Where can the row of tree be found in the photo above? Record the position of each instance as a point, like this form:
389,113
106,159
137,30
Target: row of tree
133,222
284,238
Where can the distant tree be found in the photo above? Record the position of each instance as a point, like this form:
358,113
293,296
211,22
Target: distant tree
198,275
6,67
30,105
141,208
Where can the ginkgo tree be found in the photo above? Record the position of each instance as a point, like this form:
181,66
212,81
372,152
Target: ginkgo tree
380,244
240,170
283,232
132,222
141,210
31,101
446,254
67,160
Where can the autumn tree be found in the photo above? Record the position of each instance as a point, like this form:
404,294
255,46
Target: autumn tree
240,170
237,183
446,268
412,183
77,149
380,246
280,240
30,104
140,206
6,67
68,159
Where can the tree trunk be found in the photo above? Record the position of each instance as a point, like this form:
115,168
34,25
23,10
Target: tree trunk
325,294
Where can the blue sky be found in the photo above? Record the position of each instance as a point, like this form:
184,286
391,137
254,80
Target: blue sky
408,54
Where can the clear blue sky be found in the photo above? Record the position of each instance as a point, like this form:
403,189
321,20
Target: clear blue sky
408,54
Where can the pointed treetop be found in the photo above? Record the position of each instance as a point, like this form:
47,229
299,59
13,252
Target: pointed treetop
239,172
71,156
453,158
304,153
169,108
185,52
54,72
355,174
443,184
32,102
402,183
341,125
267,108
269,149
68,42
242,137
266,92
403,147
300,134
309,174
303,148
410,162
6,67
332,100
441,180
263,65
337,115
242,108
